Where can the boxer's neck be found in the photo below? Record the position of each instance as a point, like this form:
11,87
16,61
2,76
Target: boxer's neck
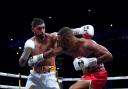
42,38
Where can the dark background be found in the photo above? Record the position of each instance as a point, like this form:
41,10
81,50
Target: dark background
15,19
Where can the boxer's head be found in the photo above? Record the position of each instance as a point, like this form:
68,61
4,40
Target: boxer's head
65,33
65,37
38,27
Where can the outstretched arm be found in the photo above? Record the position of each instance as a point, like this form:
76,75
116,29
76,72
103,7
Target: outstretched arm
43,56
86,31
100,55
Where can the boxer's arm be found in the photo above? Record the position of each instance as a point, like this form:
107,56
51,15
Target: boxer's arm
40,57
29,45
57,45
53,51
54,34
57,49
100,55
86,31
100,52
44,56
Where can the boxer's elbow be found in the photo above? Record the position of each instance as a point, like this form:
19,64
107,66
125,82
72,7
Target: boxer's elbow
106,57
109,57
22,62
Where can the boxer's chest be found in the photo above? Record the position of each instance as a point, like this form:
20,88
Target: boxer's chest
41,47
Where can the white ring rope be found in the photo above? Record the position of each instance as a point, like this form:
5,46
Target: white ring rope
10,87
63,79
60,79
13,75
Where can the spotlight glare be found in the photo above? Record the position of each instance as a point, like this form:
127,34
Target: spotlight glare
11,39
89,10
49,17
20,47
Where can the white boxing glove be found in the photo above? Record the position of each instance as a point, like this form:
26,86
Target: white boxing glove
35,59
81,63
87,31
29,45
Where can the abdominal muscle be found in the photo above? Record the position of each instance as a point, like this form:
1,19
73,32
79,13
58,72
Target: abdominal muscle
46,64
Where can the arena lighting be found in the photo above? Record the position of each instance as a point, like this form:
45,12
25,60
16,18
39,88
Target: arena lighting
17,53
11,39
20,47
89,10
49,17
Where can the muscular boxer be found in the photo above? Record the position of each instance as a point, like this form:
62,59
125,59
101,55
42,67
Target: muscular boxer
39,47
39,51
89,57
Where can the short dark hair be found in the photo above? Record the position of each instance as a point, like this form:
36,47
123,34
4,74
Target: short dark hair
37,21
64,31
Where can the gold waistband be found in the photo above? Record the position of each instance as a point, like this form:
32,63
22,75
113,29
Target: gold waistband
45,69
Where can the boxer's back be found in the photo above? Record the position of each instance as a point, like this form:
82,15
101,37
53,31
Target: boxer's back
80,49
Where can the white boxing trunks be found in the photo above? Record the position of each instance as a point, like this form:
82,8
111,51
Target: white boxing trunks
46,80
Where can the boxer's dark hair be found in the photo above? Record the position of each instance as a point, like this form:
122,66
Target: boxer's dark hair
64,31
37,21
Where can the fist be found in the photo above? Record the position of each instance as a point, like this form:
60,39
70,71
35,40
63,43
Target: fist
87,31
80,63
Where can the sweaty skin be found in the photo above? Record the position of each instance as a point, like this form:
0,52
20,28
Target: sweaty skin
86,48
43,46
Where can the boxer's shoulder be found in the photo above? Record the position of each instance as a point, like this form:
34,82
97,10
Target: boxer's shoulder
86,43
53,35
30,40
89,41
29,44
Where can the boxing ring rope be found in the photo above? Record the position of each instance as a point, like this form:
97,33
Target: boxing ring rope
60,79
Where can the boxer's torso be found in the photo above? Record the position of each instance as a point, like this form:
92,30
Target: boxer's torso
43,46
